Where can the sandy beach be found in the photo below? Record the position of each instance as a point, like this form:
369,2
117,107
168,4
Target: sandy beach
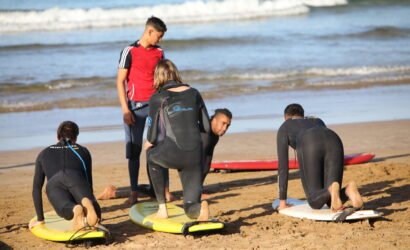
242,199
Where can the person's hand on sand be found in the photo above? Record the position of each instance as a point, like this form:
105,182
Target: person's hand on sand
35,223
128,118
283,205
148,145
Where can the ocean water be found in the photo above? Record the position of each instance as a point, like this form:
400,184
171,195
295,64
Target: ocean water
58,60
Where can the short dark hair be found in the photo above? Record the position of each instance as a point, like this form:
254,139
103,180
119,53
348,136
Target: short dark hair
294,109
157,24
223,111
68,130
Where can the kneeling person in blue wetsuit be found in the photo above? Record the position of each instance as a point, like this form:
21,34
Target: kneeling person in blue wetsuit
321,160
176,119
67,166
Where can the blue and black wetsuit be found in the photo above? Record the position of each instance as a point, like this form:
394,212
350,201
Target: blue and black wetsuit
69,179
175,123
320,156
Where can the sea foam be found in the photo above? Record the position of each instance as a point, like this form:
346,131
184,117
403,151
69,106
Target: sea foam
188,12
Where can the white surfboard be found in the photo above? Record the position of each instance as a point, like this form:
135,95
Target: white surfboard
302,210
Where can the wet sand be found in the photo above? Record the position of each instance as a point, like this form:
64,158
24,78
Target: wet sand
242,200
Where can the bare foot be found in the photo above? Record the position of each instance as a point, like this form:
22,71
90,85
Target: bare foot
336,203
78,218
169,196
353,193
162,212
108,193
91,215
204,213
133,199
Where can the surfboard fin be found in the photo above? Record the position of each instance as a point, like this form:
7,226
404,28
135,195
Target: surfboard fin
186,226
346,212
77,236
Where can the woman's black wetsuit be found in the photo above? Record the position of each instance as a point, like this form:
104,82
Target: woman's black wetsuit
175,122
69,179
320,156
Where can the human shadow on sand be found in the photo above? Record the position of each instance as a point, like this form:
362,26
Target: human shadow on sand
222,187
379,159
394,195
234,225
122,231
4,246
247,182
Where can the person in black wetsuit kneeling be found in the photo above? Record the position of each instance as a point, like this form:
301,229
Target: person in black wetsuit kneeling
220,123
320,156
176,119
67,166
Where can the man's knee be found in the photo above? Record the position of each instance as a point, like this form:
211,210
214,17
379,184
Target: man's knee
192,210
132,151
313,203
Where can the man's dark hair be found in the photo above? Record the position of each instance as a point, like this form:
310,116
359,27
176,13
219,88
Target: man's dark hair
157,24
68,130
223,111
294,109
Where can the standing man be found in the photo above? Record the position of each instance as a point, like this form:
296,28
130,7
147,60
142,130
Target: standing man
135,81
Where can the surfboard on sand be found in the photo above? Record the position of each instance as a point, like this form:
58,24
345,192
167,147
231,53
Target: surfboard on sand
273,165
143,214
56,228
302,210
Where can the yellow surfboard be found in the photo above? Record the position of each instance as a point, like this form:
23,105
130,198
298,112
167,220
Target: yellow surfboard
56,228
177,222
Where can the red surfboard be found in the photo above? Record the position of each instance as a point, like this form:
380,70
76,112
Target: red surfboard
273,165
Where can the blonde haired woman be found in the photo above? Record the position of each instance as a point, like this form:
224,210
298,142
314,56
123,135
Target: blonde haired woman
177,117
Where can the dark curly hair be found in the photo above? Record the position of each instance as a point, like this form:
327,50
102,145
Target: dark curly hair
68,130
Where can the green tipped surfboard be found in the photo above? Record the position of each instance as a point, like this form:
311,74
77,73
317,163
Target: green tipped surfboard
56,228
177,222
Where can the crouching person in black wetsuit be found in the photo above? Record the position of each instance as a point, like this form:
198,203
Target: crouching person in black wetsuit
176,119
67,166
320,156
220,123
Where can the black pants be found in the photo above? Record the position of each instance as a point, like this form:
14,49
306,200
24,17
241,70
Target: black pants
189,165
321,161
66,189
133,139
